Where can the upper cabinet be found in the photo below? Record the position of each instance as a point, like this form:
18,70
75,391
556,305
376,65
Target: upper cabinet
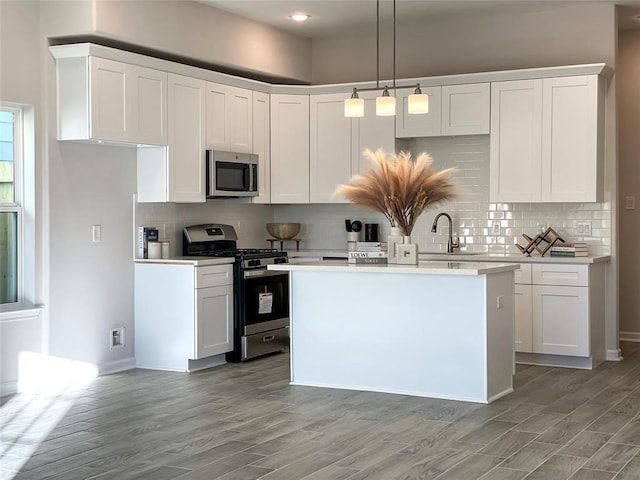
106,100
410,125
453,110
176,173
229,118
465,109
370,132
262,145
547,140
330,147
289,148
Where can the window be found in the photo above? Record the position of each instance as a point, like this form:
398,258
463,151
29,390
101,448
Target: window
10,204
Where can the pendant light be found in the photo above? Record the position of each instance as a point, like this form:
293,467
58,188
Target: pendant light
386,103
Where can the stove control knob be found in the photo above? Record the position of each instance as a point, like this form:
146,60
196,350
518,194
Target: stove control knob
253,263
280,260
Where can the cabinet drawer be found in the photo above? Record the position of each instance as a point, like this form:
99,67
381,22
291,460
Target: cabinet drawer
214,276
523,274
561,274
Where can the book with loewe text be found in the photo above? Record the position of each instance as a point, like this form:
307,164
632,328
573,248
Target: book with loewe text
366,254
146,235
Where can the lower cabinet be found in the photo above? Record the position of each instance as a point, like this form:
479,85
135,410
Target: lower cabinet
560,311
183,315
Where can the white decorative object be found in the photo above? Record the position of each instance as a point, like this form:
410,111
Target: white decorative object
395,237
407,254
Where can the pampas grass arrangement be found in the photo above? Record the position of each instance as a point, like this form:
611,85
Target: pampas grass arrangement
400,188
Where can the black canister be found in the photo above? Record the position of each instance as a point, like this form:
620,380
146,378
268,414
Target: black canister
371,232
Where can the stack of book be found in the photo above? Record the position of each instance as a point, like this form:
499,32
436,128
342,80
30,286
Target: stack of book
146,235
576,249
368,252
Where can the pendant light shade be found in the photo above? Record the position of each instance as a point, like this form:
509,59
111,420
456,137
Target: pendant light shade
386,104
418,102
354,106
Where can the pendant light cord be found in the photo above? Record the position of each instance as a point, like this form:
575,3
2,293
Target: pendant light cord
377,43
394,44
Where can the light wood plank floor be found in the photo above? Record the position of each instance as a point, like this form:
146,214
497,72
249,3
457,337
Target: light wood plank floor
243,422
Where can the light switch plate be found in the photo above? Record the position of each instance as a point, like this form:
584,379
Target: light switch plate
495,230
97,233
630,202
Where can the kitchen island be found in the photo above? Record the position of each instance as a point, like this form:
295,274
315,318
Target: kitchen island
438,329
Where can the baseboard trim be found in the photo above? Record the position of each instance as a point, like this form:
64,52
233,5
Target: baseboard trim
117,366
614,355
629,336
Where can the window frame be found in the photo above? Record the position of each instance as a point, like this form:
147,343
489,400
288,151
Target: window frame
18,198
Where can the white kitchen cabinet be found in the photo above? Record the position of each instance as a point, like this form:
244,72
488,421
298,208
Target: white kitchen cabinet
547,140
106,100
572,139
560,311
419,125
262,145
183,315
523,310
465,109
330,148
371,132
289,148
515,154
176,173
229,118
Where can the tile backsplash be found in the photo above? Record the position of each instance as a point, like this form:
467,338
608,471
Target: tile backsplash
473,215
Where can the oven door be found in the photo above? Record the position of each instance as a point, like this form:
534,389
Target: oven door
266,301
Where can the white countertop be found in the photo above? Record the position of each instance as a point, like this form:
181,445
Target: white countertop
195,261
423,268
463,257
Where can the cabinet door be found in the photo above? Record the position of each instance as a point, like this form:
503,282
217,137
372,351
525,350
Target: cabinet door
229,118
423,124
214,321
523,318
148,106
289,149
217,126
186,139
571,140
371,132
108,94
515,141
465,109
561,320
262,145
240,120
330,144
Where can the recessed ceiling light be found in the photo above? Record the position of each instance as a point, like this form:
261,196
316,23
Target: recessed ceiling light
300,17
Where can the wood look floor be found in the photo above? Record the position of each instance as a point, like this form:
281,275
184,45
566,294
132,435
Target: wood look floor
243,422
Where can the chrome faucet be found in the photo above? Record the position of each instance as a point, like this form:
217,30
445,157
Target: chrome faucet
451,245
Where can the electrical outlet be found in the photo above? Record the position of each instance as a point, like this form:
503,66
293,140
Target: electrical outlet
116,338
499,302
495,229
630,202
97,233
584,228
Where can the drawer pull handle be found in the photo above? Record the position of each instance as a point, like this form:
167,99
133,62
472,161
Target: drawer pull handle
268,338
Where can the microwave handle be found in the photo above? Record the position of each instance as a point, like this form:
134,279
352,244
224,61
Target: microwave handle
253,187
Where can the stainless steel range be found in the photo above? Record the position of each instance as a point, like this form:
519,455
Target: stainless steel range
261,296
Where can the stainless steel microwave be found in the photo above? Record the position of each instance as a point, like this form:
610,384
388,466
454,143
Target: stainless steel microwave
231,174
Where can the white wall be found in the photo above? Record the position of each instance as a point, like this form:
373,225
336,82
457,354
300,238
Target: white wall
628,73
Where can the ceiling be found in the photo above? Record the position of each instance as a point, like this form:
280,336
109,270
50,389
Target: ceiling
333,17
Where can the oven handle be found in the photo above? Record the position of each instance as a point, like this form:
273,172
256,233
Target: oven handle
263,273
